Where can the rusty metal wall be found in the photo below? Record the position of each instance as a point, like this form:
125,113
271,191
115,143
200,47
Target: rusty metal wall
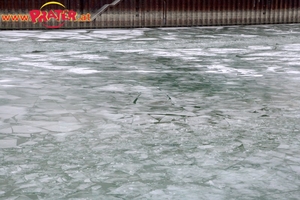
161,13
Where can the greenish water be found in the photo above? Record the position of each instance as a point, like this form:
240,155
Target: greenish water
189,113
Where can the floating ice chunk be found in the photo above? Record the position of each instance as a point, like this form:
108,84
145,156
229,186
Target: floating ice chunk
91,57
248,36
6,130
83,71
11,59
283,146
29,143
296,169
51,98
226,50
5,81
157,194
10,97
26,129
294,62
130,50
60,137
12,143
131,189
167,53
113,88
84,186
63,127
291,47
169,38
11,111
260,47
216,68
293,72
145,39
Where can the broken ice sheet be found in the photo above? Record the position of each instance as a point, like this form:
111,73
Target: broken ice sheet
62,127
70,128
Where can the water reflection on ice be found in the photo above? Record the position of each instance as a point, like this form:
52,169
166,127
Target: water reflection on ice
187,113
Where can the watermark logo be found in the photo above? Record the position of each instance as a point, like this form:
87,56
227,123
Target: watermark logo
58,15
44,16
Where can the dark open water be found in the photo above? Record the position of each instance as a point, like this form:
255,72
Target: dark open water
189,113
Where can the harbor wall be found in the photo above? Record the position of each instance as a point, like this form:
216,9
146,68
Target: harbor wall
17,14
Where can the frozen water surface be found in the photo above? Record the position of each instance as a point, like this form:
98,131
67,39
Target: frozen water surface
189,113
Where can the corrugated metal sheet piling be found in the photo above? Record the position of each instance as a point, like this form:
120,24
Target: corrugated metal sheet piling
150,13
